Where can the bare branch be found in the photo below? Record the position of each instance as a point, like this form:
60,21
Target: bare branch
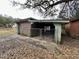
59,2
48,6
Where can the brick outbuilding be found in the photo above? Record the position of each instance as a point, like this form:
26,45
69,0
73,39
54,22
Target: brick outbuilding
72,28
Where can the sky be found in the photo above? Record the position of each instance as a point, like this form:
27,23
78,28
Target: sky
7,9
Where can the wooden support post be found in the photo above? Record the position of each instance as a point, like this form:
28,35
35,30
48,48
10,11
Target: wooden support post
58,31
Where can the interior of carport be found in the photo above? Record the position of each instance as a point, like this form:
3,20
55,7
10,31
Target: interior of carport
43,28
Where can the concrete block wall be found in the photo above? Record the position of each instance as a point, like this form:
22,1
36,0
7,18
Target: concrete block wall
25,28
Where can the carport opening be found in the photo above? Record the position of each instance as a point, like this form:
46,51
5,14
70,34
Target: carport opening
44,28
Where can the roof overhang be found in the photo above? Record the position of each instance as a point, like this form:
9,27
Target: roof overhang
32,20
51,20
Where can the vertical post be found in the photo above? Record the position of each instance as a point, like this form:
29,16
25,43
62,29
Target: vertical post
18,29
58,31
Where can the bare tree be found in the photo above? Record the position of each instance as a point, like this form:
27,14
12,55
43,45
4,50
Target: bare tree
70,9
48,7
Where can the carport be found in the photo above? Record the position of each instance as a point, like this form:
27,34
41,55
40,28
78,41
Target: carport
45,27
55,24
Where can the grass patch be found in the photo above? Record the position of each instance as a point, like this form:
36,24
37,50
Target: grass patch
7,31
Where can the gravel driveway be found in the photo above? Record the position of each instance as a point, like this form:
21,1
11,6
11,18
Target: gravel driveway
20,47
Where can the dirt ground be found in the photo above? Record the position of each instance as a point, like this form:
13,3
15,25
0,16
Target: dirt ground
20,47
70,47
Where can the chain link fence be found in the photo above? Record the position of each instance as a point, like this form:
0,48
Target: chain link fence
38,33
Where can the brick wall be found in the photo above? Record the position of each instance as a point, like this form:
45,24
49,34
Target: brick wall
74,29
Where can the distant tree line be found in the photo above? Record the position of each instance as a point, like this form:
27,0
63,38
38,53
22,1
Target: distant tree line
6,21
